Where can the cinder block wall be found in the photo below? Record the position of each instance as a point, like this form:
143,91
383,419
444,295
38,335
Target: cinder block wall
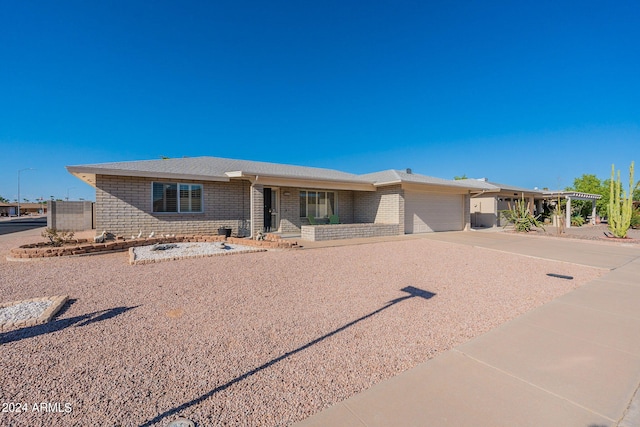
289,210
345,207
385,206
70,216
124,208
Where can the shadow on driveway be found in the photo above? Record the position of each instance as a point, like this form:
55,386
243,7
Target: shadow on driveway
58,325
412,291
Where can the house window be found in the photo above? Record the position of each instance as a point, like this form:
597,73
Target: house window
319,204
167,198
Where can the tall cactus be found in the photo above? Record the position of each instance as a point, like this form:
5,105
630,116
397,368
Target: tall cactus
620,207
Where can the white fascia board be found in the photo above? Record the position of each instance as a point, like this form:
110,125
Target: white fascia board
79,170
302,181
387,183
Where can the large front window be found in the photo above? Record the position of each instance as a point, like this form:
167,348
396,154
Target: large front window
167,198
318,204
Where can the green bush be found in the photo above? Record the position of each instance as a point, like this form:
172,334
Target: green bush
577,221
635,219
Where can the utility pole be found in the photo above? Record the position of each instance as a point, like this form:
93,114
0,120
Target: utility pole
21,170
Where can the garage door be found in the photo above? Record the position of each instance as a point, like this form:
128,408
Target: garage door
427,212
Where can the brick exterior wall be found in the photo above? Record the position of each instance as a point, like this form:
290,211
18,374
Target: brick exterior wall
385,206
289,210
345,207
123,207
317,233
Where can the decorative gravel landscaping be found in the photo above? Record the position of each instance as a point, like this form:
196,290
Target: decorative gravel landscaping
176,251
30,312
263,339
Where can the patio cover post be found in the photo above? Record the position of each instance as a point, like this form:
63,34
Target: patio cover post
567,223
257,209
531,205
593,212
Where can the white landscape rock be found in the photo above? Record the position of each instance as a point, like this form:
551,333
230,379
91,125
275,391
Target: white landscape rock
175,251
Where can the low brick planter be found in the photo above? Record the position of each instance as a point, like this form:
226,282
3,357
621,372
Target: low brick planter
84,247
317,233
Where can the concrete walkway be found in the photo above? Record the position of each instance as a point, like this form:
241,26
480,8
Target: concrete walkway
572,362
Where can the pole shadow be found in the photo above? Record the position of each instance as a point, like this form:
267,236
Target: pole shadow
413,293
60,324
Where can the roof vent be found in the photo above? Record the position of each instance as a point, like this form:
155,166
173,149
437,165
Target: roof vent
409,171
483,179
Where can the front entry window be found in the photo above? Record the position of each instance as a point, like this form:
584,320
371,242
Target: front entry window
319,204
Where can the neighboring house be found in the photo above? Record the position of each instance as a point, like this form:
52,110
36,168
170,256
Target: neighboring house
27,208
199,195
491,198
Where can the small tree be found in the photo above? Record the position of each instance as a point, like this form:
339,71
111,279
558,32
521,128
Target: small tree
620,204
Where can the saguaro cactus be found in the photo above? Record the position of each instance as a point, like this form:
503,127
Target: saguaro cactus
620,207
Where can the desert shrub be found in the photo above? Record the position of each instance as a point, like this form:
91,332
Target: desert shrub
57,238
577,221
635,219
521,217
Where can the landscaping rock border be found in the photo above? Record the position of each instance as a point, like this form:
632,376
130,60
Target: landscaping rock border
134,259
83,247
56,304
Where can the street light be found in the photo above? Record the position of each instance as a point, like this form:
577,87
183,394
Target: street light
21,170
70,188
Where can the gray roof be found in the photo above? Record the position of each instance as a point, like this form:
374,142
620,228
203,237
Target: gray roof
393,176
222,169
485,185
214,168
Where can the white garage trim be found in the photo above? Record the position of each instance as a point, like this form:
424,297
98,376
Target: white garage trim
429,211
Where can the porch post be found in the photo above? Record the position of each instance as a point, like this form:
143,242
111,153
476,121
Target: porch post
467,211
593,212
531,205
567,222
257,209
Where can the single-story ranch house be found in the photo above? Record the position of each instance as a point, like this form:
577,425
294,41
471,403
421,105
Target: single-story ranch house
202,194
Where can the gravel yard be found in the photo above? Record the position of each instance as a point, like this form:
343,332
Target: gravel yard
257,339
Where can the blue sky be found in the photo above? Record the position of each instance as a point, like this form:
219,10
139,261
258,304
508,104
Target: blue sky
531,94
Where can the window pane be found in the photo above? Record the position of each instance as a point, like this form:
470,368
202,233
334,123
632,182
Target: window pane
312,204
196,198
331,203
171,197
165,197
303,204
322,204
185,206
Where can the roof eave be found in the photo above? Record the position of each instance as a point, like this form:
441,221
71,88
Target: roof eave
315,182
85,173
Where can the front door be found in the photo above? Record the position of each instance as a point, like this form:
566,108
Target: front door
271,209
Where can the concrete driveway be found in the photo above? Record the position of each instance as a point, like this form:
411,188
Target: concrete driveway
583,252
